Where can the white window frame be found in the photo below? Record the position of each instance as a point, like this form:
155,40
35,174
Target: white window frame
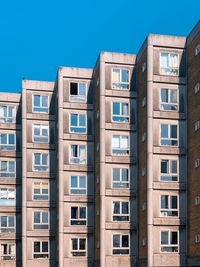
35,224
41,194
126,118
197,49
6,118
169,245
120,84
121,149
81,252
78,97
7,198
120,247
8,257
81,161
8,228
40,253
78,219
169,97
78,185
174,71
40,136
120,177
168,212
78,122
197,201
44,112
170,139
197,163
197,125
34,166
197,238
9,147
10,175
120,214
170,173
197,87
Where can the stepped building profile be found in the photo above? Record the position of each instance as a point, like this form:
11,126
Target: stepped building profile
101,168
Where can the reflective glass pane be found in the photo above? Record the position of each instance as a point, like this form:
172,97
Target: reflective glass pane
82,212
82,120
36,100
82,181
164,130
74,182
164,164
82,89
74,120
116,108
116,241
164,238
164,95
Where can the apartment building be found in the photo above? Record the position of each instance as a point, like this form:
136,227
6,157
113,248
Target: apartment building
100,167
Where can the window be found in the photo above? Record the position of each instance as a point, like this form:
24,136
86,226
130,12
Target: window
120,112
144,66
78,123
197,87
197,200
197,238
7,141
40,162
197,125
40,249
120,244
7,224
78,247
168,205
169,64
78,216
78,185
7,169
120,178
169,170
168,99
41,103
169,241
78,154
169,135
7,252
120,211
197,163
7,114
78,92
7,197
120,79
120,145
197,49
40,133
40,191
40,220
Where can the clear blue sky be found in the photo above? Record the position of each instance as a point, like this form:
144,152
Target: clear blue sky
37,36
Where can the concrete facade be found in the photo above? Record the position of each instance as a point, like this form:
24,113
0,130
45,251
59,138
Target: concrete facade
100,168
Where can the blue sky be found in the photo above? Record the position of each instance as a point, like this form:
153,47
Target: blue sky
38,36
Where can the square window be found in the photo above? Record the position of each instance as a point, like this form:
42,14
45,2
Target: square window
169,64
120,79
78,91
169,135
40,103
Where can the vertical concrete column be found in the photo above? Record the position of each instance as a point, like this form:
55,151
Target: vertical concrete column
60,191
24,170
149,153
102,161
